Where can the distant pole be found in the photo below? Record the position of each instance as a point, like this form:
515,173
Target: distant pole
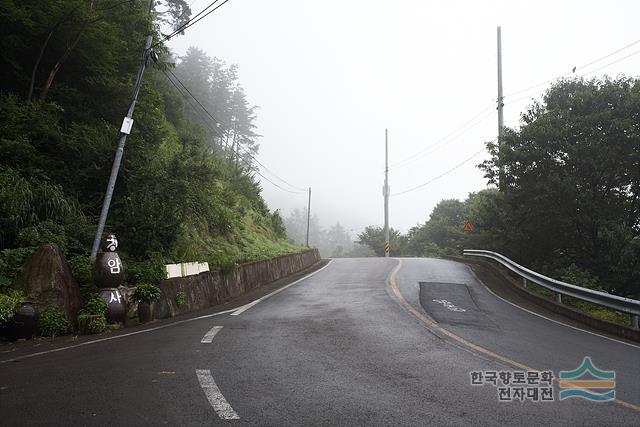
500,110
308,216
124,131
385,192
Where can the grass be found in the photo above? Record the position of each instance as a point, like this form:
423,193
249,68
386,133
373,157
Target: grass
591,309
252,240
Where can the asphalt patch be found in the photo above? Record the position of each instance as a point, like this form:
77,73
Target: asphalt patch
452,304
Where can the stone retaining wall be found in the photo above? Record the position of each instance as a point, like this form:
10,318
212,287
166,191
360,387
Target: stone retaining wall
212,288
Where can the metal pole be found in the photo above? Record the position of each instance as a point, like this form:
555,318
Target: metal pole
500,109
308,216
386,194
124,131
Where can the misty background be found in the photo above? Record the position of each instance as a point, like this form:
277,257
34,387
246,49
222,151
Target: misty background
329,78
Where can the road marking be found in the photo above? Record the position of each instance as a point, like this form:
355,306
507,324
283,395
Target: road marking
547,318
214,395
449,305
40,353
434,326
208,337
246,307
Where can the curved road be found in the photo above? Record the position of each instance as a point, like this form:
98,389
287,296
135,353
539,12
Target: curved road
362,342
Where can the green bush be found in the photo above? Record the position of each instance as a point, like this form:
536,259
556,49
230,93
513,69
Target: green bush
81,269
222,263
9,305
146,292
92,323
180,298
11,262
150,271
277,224
96,305
53,322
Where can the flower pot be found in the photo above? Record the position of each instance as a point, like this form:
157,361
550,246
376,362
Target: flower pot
144,312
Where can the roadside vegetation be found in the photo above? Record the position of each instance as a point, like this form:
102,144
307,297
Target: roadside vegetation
569,205
186,189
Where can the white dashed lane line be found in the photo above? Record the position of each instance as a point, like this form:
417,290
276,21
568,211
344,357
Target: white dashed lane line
214,395
208,337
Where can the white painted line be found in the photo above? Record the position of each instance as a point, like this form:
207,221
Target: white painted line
55,350
214,395
547,318
208,337
246,307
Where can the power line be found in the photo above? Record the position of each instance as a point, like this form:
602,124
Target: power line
461,130
202,116
581,75
611,63
193,21
216,121
577,68
439,176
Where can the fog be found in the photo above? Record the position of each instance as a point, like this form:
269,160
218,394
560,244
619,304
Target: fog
330,76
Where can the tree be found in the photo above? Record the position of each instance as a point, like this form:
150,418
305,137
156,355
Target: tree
572,181
374,237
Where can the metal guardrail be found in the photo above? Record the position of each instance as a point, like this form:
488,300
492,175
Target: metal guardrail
614,302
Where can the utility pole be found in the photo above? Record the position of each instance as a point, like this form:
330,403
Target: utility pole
127,123
500,112
308,216
385,192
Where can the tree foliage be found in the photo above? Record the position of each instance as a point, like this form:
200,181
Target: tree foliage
184,192
569,203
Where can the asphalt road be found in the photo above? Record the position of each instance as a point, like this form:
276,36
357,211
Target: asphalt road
361,342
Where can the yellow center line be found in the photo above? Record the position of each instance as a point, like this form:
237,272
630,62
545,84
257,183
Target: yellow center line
435,327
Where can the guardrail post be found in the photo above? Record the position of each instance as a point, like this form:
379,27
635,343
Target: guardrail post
634,321
558,297
524,282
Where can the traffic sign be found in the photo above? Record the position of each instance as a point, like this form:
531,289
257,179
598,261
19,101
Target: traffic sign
387,247
468,227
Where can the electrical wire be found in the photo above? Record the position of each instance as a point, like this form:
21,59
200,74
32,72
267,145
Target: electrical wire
611,63
577,68
216,121
193,21
439,176
447,139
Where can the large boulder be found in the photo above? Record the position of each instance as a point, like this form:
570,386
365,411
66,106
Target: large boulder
46,279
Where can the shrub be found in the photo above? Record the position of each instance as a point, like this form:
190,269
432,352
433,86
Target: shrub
180,298
223,263
9,305
53,322
95,306
11,262
146,292
150,271
92,323
277,224
81,269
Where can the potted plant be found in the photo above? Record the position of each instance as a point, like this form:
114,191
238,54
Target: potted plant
144,295
92,318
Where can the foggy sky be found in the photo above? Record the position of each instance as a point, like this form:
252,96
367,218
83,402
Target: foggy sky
330,76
